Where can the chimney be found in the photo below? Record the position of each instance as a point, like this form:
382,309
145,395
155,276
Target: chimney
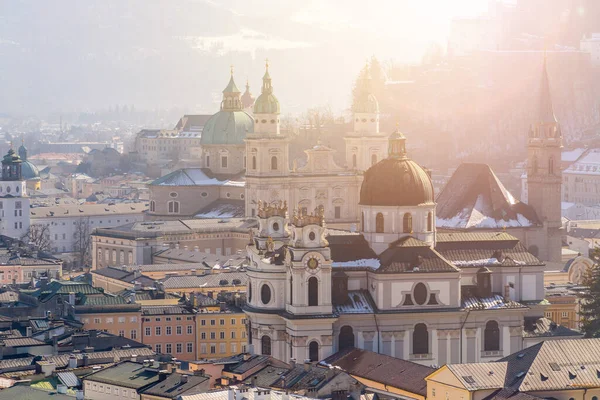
184,379
199,372
196,249
293,362
506,292
134,357
254,380
62,389
246,356
194,272
339,394
136,274
72,298
72,361
79,395
54,345
223,306
307,365
177,246
162,375
43,282
230,393
93,333
29,331
185,247
86,360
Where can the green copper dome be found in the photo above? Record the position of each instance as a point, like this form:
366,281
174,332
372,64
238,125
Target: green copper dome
266,103
227,127
230,125
365,102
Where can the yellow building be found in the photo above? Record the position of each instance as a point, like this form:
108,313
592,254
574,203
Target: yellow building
220,330
563,306
559,369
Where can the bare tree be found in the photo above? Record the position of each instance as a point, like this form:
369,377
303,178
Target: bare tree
82,241
39,236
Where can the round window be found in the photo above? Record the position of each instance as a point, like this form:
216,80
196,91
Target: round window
272,121
364,120
203,194
263,121
8,189
228,195
420,293
356,119
17,189
312,236
256,120
242,196
372,119
275,226
265,294
173,194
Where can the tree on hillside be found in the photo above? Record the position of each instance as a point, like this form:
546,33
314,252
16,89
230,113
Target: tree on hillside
377,74
590,299
39,236
82,241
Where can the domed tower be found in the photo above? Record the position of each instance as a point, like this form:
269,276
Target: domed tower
267,279
224,133
247,98
366,145
397,199
267,151
29,171
14,203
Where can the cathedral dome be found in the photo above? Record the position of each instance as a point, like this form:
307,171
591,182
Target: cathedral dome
29,171
231,123
396,180
266,103
227,127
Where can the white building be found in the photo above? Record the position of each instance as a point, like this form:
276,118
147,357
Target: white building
592,45
66,223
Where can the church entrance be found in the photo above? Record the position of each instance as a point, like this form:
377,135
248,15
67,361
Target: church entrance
346,337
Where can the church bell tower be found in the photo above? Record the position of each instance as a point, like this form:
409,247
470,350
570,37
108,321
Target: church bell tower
544,174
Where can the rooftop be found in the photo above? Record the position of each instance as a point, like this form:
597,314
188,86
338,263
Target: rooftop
126,374
88,210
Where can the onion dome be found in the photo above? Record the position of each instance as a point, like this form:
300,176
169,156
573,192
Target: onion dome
266,103
396,181
28,170
11,166
247,98
231,123
365,102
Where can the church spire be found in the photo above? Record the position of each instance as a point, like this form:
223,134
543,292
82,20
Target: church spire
231,96
267,87
546,111
397,144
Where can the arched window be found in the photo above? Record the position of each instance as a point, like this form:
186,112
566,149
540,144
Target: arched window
430,222
274,163
373,159
362,222
379,223
313,291
551,166
223,161
491,340
534,165
207,161
354,163
407,223
152,206
265,294
265,345
346,337
313,351
253,162
420,339
173,207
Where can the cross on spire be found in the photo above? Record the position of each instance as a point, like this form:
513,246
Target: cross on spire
231,69
267,63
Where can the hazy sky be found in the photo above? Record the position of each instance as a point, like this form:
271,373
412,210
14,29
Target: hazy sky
78,55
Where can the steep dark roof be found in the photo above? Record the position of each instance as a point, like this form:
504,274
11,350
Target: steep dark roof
412,255
474,198
545,327
192,122
349,247
384,369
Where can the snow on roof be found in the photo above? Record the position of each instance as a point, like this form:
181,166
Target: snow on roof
193,177
571,155
482,262
476,218
367,262
589,164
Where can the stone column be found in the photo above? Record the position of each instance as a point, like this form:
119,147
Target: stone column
516,338
471,344
442,356
399,344
368,337
386,339
454,344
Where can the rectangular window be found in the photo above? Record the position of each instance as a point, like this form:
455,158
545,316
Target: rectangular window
222,335
222,348
203,348
213,335
234,348
157,331
133,319
121,320
121,333
133,334
203,322
178,330
203,335
96,320
338,212
213,322
148,331
190,347
190,329
158,348
565,314
168,348
232,321
168,330
222,322
168,319
213,349
233,334
179,348
109,320
223,161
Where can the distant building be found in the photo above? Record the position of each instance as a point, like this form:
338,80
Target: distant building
591,45
14,202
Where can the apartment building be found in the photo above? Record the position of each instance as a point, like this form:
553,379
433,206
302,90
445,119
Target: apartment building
220,331
170,329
